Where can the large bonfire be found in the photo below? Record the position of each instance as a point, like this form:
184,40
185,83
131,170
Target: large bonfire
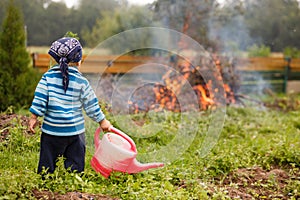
207,88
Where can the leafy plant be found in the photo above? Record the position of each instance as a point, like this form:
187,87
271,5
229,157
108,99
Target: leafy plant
251,139
71,34
291,52
259,51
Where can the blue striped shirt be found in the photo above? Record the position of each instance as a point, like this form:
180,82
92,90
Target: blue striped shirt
63,115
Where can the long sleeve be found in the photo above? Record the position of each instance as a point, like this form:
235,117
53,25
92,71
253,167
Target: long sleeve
91,104
40,100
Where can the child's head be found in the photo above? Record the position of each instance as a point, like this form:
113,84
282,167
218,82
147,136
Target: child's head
64,51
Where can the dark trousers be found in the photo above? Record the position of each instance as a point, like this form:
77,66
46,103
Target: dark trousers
72,148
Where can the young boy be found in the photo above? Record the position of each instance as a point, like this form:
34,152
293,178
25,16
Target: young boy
60,96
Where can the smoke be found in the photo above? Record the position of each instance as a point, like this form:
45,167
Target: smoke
233,39
233,36
119,90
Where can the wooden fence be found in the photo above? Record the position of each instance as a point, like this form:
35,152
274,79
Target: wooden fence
123,64
100,64
274,71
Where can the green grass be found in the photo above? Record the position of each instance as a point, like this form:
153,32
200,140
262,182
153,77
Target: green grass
250,138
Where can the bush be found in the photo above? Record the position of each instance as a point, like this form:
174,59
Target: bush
259,51
291,52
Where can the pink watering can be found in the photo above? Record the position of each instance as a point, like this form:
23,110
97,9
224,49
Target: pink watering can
117,152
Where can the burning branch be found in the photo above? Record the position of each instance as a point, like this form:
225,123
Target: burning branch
165,96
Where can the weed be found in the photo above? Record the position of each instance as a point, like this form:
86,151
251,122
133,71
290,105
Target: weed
250,140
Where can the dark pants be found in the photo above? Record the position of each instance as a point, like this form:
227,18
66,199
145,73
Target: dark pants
72,148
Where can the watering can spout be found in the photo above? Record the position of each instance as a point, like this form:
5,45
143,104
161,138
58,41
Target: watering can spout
136,166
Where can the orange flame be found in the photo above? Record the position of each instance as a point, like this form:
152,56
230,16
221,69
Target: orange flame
165,96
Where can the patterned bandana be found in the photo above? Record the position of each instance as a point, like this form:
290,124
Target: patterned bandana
64,51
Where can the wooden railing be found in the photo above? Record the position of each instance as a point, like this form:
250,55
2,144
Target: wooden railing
268,64
274,71
100,64
123,64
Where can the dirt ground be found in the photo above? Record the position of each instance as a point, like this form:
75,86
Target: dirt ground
257,183
43,195
10,120
245,183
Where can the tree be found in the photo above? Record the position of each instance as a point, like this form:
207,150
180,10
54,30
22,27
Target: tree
34,18
227,27
47,20
274,23
3,4
14,61
120,20
57,21
190,17
91,11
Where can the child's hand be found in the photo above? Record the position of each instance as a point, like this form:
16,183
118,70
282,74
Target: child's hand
105,125
32,122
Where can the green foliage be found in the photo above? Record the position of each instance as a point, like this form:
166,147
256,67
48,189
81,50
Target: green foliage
19,152
210,23
250,138
259,51
120,20
57,18
17,80
274,30
291,52
71,34
14,57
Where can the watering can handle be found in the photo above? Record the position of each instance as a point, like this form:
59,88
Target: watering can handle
116,131
96,137
123,135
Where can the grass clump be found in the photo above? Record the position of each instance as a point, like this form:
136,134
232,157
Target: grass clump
252,142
